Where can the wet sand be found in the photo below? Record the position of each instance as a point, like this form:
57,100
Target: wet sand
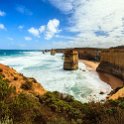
113,81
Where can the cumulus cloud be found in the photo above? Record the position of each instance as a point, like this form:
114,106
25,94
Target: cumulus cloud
2,13
97,22
49,30
34,31
42,28
52,28
27,38
2,27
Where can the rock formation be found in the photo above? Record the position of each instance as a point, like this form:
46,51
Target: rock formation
89,53
53,52
112,62
71,60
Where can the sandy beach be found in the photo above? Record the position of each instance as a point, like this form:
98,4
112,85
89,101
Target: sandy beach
114,82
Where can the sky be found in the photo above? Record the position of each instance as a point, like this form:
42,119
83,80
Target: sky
45,24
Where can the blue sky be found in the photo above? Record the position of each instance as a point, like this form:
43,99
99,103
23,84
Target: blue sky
41,24
22,15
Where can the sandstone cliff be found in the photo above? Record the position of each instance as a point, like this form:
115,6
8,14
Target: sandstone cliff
112,62
89,53
83,53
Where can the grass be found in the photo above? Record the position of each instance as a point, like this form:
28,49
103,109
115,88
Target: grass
55,108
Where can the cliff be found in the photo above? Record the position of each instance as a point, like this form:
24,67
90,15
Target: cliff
20,82
89,53
112,62
83,53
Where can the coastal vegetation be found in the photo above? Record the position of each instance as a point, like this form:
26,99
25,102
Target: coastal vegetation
54,108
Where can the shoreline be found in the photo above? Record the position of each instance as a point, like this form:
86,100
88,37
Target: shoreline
113,81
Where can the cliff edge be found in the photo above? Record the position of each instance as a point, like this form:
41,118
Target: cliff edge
20,82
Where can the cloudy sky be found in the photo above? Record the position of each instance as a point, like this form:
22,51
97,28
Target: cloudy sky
41,24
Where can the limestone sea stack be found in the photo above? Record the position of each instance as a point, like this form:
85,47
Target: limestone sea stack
71,60
53,52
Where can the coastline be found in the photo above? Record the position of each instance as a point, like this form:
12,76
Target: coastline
113,81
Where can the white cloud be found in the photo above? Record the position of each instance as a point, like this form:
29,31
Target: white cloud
34,31
2,27
2,13
23,10
91,16
52,28
64,5
27,38
49,30
42,28
20,27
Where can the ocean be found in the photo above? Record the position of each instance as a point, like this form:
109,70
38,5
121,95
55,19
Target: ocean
85,85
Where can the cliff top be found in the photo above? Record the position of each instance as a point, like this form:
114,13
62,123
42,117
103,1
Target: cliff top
22,83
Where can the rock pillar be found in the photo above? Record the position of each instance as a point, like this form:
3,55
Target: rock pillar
53,52
71,60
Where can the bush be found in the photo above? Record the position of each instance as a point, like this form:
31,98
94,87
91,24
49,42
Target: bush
5,90
25,108
5,98
27,85
58,104
115,118
6,120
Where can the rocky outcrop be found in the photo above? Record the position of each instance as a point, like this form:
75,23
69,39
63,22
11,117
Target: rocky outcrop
112,62
118,94
71,60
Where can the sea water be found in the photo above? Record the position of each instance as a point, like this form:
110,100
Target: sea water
85,85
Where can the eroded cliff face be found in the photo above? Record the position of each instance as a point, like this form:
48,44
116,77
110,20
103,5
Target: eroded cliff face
89,53
112,62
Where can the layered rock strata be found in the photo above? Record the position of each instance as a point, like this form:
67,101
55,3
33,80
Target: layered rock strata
112,62
71,60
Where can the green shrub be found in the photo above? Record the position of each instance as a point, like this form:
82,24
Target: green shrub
57,103
25,108
5,89
6,120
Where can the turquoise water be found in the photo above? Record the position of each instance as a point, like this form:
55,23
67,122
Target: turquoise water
47,69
